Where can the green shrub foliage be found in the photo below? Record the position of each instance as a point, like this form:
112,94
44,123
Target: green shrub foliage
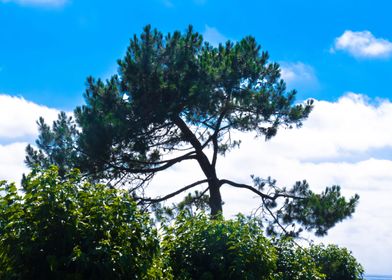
69,229
336,263
295,263
201,248
197,247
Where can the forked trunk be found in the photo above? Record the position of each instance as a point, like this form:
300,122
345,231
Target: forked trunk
208,169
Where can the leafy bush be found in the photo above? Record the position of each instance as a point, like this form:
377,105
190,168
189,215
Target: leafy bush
200,248
295,263
336,263
196,247
70,229
316,262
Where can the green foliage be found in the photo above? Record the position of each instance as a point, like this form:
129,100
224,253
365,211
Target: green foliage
295,263
315,262
318,212
171,87
56,145
70,229
200,248
336,263
197,247
61,227
160,269
191,205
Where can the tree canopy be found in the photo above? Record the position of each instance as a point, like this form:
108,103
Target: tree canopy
175,99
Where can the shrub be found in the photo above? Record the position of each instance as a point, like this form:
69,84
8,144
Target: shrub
70,229
200,248
336,263
295,263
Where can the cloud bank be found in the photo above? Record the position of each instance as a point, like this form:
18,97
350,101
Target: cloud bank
363,44
18,128
18,118
11,161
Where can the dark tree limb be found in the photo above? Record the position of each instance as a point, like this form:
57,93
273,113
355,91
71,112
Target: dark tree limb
182,157
160,199
165,166
215,136
259,193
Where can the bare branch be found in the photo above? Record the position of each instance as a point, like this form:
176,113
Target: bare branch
259,193
184,156
244,186
168,163
216,134
166,197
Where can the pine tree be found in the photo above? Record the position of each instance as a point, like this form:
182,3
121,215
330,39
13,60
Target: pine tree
177,99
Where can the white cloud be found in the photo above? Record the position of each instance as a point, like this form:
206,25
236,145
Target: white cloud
349,127
11,161
17,128
50,3
18,118
363,44
298,74
213,36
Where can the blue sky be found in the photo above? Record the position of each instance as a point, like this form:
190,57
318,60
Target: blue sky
338,52
48,50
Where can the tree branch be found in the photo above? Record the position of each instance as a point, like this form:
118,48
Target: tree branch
168,164
259,193
160,199
215,135
184,156
244,186
190,137
202,159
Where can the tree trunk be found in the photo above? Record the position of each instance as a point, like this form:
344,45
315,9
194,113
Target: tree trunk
208,169
215,201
